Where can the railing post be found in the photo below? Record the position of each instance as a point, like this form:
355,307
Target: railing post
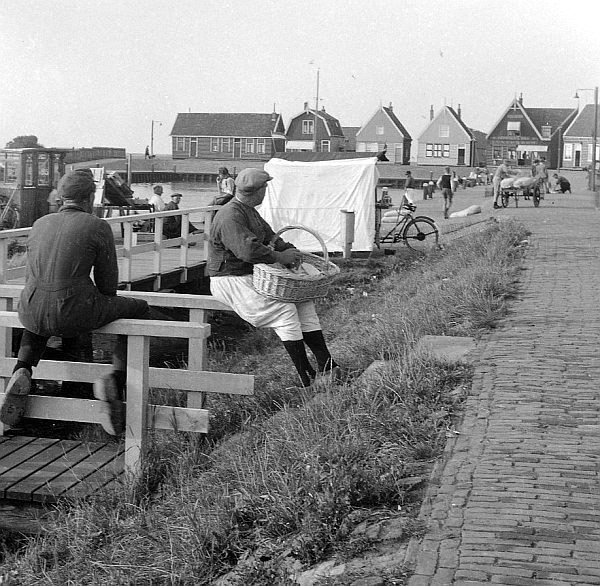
3,259
158,238
127,253
183,251
136,424
197,357
6,304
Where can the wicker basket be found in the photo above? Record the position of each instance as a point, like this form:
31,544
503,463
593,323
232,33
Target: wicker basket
282,284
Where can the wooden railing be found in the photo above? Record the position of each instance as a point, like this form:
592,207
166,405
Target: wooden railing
9,271
140,414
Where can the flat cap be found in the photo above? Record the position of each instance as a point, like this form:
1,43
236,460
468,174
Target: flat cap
76,185
250,180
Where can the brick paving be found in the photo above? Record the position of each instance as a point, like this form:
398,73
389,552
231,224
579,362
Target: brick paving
516,500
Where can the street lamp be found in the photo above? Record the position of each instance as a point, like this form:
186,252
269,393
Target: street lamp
152,136
594,132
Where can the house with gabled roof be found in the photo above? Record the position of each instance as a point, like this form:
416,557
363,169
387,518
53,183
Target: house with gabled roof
523,135
301,136
447,140
383,131
245,136
578,140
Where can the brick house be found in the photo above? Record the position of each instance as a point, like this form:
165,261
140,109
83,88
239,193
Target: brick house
522,134
227,136
447,140
578,140
384,130
300,134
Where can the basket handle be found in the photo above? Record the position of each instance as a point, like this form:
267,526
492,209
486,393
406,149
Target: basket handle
321,241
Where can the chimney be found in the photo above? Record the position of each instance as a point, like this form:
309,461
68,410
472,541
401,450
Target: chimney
459,113
390,107
274,114
306,105
322,108
431,112
521,98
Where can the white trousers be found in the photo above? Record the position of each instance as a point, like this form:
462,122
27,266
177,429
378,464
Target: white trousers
288,320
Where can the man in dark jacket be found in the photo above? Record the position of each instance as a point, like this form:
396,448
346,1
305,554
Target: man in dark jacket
60,298
239,239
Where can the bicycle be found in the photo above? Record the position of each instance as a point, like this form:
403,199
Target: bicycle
419,233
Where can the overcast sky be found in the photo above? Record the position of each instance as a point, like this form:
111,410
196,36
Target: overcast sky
97,72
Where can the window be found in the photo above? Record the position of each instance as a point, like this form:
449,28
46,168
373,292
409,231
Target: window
226,145
437,150
325,146
260,146
497,152
186,145
446,150
513,128
43,169
444,130
361,147
179,143
29,171
12,163
429,150
512,154
214,144
308,126
249,145
379,130
546,131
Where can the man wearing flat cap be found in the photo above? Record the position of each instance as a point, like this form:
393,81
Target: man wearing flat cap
61,299
239,239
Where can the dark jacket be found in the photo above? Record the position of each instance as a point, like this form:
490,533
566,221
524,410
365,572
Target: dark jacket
60,298
239,239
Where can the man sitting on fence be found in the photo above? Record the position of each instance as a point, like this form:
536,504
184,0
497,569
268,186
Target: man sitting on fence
239,239
60,298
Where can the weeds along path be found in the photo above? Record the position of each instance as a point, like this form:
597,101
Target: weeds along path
291,478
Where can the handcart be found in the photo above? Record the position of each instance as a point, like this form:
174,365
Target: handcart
529,188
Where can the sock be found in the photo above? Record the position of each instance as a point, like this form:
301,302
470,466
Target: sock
21,364
316,342
119,379
297,352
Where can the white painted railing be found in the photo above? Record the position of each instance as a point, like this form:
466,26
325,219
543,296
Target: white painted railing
12,269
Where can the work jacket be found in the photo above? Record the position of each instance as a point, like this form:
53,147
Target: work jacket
64,251
239,239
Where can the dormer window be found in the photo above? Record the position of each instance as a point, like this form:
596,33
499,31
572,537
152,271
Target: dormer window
513,128
546,131
308,126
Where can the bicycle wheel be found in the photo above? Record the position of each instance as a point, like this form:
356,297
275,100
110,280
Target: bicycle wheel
536,196
421,234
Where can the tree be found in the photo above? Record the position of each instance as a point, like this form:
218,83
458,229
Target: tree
26,141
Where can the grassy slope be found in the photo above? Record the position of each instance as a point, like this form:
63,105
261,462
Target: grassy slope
269,491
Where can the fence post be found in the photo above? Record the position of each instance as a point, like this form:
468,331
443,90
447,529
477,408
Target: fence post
347,232
136,432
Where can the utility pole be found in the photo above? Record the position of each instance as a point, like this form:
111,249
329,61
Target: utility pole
315,149
152,136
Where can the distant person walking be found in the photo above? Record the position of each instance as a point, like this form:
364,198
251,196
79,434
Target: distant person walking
502,172
147,153
541,171
445,183
409,187
226,187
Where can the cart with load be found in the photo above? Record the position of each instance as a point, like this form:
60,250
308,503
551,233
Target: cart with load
527,187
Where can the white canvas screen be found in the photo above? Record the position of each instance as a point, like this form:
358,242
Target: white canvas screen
314,194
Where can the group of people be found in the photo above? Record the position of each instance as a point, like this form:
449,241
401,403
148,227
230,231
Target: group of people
539,170
60,298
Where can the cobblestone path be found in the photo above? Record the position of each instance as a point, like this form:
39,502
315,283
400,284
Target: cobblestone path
518,498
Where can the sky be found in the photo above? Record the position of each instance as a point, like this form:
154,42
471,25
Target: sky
83,73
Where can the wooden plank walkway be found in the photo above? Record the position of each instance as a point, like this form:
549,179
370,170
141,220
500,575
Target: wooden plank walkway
42,470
